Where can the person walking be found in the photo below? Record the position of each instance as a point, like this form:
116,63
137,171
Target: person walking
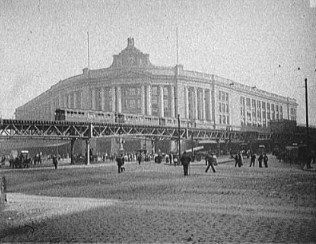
260,159
236,159
55,161
252,159
185,160
210,160
265,160
139,158
120,163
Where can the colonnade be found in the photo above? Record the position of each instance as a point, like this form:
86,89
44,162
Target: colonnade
162,103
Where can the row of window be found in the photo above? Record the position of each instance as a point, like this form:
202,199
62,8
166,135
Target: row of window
259,113
245,102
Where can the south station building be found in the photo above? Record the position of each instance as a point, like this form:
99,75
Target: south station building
132,85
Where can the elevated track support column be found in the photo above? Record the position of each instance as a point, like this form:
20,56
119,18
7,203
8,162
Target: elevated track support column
88,151
88,141
72,142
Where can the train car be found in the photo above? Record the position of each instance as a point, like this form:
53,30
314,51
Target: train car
76,115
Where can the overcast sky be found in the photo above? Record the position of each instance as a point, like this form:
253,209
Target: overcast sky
269,44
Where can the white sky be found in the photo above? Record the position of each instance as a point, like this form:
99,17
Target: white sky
257,42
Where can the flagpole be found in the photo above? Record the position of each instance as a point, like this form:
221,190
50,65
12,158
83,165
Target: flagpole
88,51
177,46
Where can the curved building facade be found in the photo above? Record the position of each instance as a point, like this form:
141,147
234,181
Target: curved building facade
133,85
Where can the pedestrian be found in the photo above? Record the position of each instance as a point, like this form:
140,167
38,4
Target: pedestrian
171,158
167,158
236,159
240,162
265,160
139,158
120,163
185,160
55,161
260,159
210,160
40,158
252,159
3,189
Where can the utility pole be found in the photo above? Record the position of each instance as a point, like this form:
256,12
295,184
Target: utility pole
88,50
306,105
179,140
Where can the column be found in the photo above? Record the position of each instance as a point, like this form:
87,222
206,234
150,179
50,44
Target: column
265,114
65,101
69,100
161,107
113,100
208,107
172,107
72,143
93,99
119,100
143,99
186,102
87,151
102,98
195,104
75,100
148,100
214,104
203,104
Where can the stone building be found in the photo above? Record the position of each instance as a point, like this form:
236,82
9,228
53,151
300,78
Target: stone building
133,85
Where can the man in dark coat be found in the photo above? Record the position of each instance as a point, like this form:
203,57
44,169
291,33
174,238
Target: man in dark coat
139,158
210,160
252,160
265,160
238,160
120,163
55,161
185,160
260,159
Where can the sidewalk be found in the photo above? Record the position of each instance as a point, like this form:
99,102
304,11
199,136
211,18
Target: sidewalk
65,165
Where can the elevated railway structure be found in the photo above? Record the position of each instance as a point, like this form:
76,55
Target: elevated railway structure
68,130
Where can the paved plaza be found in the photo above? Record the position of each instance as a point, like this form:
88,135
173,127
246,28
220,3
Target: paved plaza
155,203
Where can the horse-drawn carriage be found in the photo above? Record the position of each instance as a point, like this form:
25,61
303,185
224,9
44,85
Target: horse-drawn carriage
22,161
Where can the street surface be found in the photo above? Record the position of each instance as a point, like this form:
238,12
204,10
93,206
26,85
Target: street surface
156,203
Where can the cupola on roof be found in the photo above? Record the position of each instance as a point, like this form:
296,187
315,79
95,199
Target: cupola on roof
131,57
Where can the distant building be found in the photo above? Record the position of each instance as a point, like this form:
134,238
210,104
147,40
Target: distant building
133,85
